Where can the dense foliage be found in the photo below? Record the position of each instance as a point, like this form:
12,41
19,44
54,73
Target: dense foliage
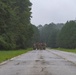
67,36
59,35
15,27
36,35
16,31
48,34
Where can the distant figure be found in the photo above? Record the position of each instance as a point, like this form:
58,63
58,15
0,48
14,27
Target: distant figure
44,46
40,46
34,46
37,46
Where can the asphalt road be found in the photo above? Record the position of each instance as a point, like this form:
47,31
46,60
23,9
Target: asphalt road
45,62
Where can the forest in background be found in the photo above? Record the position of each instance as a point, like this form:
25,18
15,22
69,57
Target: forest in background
59,35
17,32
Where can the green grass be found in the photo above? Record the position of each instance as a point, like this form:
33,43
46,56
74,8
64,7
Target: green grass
5,55
67,50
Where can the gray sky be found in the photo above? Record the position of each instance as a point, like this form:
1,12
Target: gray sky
57,11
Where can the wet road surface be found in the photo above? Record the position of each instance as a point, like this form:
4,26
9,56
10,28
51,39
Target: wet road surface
45,62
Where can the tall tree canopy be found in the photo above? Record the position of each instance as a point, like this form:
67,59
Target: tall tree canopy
67,36
48,34
15,26
36,35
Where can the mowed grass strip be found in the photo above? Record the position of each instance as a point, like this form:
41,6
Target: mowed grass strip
67,50
5,55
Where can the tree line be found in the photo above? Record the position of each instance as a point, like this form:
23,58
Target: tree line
59,35
15,27
17,32
67,36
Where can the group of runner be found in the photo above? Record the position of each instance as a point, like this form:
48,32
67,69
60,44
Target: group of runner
39,46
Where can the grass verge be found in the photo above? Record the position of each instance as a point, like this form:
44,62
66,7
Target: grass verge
5,55
67,50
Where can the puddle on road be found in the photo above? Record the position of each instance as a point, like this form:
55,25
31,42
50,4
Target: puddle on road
55,58
37,60
40,69
53,61
41,57
17,63
43,68
69,63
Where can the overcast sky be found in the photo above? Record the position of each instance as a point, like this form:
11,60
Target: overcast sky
57,11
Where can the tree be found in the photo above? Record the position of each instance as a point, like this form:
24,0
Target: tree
15,27
67,35
48,34
36,35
